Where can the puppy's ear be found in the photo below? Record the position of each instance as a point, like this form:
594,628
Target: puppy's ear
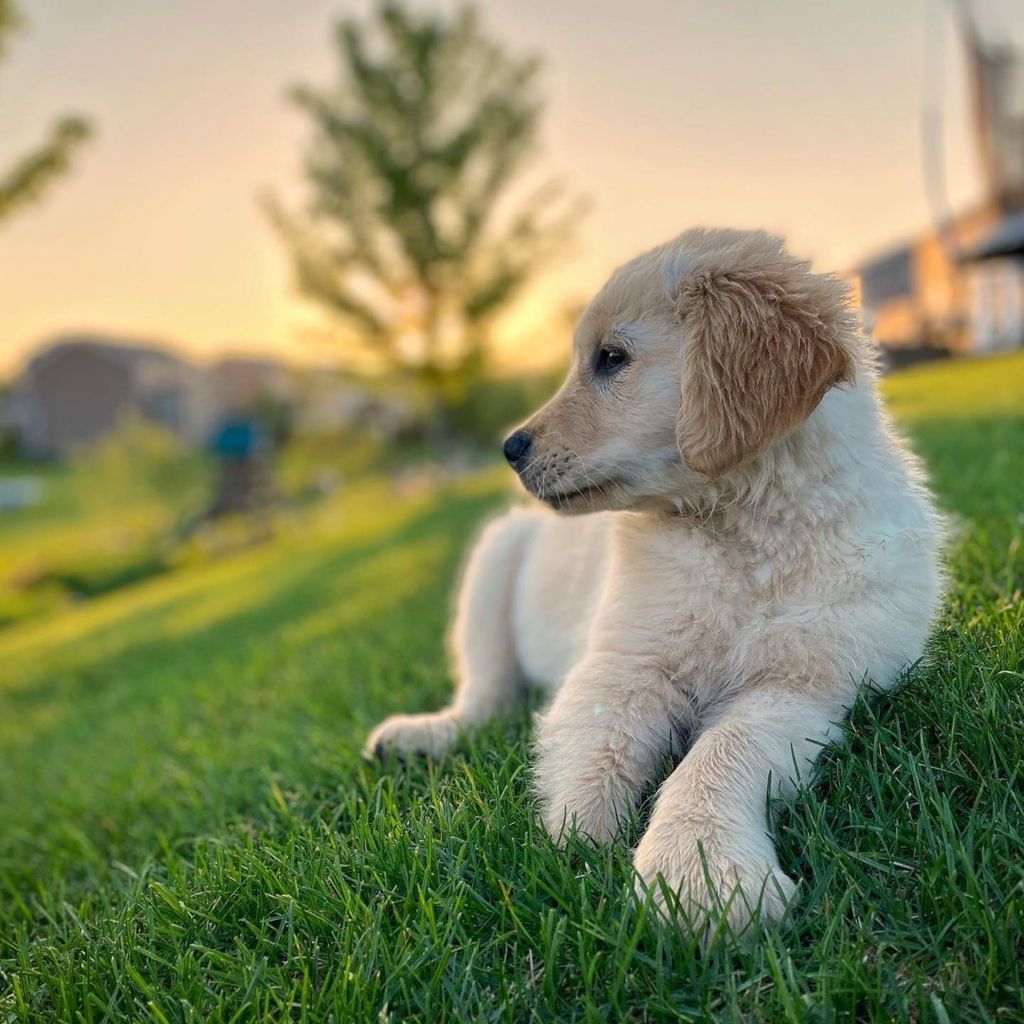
764,340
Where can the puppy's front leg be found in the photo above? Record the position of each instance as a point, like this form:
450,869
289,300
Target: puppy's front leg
483,648
708,836
601,741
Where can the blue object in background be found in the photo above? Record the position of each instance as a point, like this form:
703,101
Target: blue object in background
239,437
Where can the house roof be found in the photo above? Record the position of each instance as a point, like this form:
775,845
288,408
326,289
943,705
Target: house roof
1005,239
124,351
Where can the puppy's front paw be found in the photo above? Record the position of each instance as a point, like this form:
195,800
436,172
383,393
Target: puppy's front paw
713,879
429,735
581,797
591,814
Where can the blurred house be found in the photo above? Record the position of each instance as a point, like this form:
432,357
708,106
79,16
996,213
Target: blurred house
995,278
332,402
955,290
332,405
241,383
78,387
959,288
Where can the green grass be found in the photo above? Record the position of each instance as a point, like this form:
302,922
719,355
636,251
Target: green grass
187,832
124,511
103,523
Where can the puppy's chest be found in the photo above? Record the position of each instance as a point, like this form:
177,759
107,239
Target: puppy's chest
689,605
684,593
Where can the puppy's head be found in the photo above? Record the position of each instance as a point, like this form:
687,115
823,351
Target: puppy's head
693,359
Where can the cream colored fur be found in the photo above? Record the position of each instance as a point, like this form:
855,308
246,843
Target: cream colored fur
755,544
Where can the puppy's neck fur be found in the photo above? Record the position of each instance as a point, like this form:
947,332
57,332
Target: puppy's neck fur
815,481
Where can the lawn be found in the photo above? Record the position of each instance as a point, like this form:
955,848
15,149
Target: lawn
189,834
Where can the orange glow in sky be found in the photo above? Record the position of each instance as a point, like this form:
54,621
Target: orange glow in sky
801,117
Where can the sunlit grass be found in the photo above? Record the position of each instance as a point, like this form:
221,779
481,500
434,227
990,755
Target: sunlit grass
189,833
958,389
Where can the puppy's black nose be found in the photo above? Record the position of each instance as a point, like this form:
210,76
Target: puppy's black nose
516,447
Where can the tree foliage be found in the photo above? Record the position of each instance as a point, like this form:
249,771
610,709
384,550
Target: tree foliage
30,175
410,238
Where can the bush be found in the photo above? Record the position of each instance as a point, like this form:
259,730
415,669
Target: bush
139,464
493,404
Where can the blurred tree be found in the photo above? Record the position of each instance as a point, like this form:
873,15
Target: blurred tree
410,238
26,180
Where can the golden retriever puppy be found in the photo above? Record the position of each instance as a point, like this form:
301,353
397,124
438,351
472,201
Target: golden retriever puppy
743,543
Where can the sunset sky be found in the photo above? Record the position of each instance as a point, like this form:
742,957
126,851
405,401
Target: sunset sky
797,115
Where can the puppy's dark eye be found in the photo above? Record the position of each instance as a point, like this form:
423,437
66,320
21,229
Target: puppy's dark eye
609,360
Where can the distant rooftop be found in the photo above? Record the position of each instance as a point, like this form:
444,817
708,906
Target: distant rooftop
115,348
1005,239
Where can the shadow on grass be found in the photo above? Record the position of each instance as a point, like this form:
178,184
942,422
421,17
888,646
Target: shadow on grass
107,753
305,586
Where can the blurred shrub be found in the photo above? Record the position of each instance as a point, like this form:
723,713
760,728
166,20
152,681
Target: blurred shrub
493,404
140,465
318,462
